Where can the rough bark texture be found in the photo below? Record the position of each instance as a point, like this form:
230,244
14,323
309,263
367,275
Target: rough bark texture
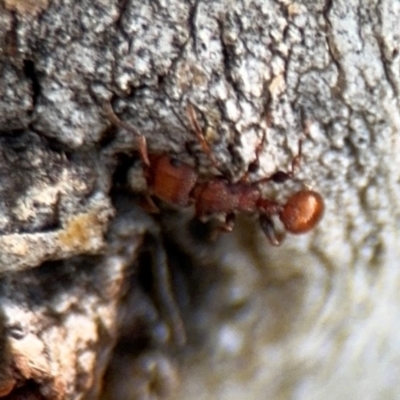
316,318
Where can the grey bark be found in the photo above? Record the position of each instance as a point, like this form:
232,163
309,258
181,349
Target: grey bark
308,319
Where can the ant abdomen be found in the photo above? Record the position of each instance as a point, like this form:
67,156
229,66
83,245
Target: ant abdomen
302,211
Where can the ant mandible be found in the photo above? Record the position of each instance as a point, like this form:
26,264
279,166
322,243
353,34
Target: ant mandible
178,184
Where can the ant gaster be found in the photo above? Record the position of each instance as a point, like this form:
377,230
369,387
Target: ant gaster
178,184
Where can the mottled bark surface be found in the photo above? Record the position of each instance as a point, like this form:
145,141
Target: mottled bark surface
316,318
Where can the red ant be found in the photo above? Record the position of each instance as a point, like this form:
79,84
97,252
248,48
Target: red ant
178,184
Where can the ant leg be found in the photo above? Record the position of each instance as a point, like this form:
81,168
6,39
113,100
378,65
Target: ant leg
148,204
282,176
227,225
267,225
200,136
216,226
297,159
255,164
162,281
123,125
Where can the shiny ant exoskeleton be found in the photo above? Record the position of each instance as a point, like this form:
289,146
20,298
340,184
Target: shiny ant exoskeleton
179,185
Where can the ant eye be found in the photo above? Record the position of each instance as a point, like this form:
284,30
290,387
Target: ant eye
175,162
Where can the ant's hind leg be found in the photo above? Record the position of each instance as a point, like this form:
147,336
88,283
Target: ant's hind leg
283,176
255,164
142,144
268,228
296,161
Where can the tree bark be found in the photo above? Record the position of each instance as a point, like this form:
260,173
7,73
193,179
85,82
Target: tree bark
317,317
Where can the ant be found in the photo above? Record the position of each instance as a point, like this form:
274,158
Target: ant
178,185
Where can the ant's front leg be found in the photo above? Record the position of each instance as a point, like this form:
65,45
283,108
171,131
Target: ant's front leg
148,204
142,144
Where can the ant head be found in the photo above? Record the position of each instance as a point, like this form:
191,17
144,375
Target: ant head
171,180
302,211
